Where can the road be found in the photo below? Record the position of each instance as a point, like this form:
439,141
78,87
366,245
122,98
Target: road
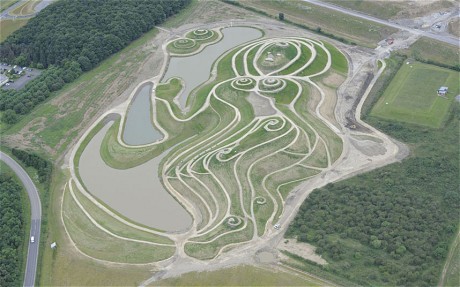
40,6
36,216
446,39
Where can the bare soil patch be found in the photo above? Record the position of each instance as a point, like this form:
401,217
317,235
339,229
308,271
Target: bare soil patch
302,249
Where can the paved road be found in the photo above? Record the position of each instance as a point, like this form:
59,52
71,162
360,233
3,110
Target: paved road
447,39
36,215
40,6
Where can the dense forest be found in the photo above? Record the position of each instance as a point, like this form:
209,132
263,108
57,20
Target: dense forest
73,36
392,226
11,231
42,166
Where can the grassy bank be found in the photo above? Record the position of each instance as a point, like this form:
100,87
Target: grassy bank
434,52
320,20
7,27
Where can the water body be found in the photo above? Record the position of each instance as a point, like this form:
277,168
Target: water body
139,129
195,70
136,193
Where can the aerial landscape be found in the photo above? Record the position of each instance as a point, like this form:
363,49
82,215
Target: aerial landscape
229,143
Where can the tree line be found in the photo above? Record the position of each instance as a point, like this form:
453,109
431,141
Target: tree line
70,37
404,216
11,231
42,166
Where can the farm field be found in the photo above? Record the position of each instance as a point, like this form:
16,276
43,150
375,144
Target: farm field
411,96
353,29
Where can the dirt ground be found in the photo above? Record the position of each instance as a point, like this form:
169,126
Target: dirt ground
301,249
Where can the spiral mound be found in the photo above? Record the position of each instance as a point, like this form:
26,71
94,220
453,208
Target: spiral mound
202,34
260,200
243,84
234,221
184,43
272,85
282,44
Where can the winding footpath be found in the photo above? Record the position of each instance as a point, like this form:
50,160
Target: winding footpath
36,217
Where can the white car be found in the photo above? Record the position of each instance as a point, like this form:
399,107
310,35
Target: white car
32,239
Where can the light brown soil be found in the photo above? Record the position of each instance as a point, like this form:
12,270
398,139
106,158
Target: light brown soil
302,249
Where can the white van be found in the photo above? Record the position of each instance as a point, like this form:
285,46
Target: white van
32,239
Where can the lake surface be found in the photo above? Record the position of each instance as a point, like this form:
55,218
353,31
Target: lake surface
195,70
136,193
139,129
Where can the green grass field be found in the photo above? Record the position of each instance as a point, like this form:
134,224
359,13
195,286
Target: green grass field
7,27
411,96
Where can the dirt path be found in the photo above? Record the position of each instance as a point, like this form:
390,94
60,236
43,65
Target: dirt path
450,256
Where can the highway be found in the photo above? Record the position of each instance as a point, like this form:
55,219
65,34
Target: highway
36,217
446,39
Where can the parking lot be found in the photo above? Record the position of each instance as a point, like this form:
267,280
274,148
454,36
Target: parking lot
27,75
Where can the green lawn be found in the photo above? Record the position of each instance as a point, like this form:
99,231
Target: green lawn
7,27
411,96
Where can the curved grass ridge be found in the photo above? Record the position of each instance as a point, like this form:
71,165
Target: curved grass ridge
231,167
193,42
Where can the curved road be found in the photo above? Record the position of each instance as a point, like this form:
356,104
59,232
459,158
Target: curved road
36,217
447,39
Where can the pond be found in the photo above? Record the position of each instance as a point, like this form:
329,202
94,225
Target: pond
195,70
138,128
136,193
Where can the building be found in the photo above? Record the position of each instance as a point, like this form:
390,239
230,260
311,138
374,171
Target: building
442,91
3,80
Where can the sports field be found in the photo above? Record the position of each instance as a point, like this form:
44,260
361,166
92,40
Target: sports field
411,96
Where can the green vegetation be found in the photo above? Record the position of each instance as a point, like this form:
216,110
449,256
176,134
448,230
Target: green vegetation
42,166
434,52
391,226
193,42
12,228
344,27
96,243
411,96
241,276
7,27
51,40
79,98
453,269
